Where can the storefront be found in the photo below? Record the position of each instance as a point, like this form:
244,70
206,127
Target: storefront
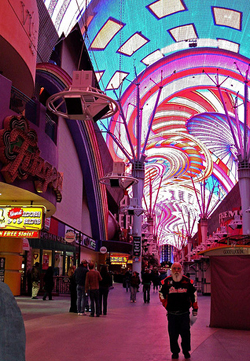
118,264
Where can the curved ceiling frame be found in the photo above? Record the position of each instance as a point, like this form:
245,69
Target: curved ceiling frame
188,94
162,28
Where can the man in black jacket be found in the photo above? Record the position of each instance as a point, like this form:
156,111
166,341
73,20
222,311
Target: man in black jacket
80,277
177,294
146,281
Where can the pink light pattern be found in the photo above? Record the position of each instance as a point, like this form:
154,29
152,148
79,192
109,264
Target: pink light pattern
179,146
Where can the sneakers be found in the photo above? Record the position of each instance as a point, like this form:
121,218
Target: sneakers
187,355
175,356
80,314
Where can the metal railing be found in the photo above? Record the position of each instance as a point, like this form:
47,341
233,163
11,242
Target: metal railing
23,105
61,285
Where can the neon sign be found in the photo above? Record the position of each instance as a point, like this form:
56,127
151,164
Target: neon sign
20,155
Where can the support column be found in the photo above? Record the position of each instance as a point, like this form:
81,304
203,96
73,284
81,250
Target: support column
11,249
203,225
244,186
189,246
138,172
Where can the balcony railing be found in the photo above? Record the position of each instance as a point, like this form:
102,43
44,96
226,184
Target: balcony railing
21,104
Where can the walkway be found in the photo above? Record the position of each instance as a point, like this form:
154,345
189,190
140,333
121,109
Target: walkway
130,331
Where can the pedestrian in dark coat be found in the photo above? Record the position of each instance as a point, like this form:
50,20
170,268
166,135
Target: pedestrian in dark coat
48,283
134,285
104,286
72,289
80,277
146,281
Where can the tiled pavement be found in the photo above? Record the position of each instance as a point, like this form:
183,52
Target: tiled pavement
130,331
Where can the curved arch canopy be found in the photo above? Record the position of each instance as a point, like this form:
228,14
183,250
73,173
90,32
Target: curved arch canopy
186,48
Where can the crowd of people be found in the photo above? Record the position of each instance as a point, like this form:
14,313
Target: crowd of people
88,287
149,277
87,283
176,292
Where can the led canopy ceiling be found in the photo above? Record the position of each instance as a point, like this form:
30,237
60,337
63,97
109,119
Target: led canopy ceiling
197,53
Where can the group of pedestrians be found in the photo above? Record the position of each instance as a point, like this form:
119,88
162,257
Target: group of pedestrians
148,277
87,282
176,291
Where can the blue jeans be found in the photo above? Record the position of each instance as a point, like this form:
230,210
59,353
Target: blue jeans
81,299
133,291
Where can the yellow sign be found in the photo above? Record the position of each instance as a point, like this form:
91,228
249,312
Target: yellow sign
21,218
118,259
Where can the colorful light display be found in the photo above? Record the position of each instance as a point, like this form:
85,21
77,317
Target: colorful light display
179,45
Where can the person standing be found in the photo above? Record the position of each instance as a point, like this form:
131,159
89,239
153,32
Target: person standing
104,285
155,279
177,294
48,283
80,278
72,289
146,281
35,279
134,285
93,278
127,278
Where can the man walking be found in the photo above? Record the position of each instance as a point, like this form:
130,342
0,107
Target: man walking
80,278
92,284
177,294
146,281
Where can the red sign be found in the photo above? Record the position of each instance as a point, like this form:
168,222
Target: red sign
20,234
22,158
15,213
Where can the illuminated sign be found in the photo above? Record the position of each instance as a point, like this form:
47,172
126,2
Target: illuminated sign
118,259
137,246
20,156
229,215
21,218
70,236
20,234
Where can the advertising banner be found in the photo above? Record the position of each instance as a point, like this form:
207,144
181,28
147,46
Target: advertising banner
21,218
20,234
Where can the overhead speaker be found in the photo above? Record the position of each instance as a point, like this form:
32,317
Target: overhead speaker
101,113
114,183
74,106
